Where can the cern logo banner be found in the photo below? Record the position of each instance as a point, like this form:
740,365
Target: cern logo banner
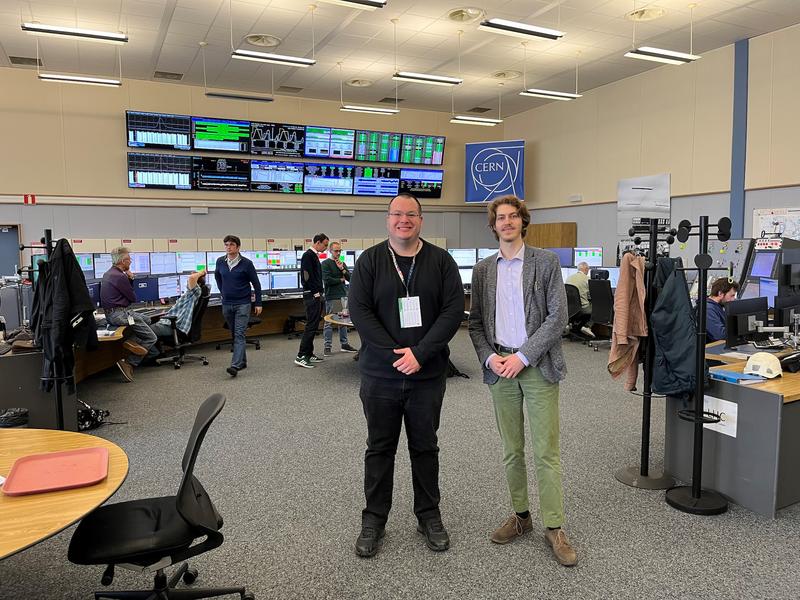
495,169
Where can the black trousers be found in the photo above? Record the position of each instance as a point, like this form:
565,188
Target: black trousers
388,403
313,316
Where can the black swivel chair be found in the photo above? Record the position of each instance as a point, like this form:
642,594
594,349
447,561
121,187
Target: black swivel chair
602,307
180,341
151,534
254,341
576,319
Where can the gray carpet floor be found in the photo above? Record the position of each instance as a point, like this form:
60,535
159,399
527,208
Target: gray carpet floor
284,464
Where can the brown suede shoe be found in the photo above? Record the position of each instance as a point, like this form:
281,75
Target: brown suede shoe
512,528
126,369
134,348
562,549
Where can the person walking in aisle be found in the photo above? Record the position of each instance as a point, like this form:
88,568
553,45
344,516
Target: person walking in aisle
517,316
314,300
234,275
335,276
407,302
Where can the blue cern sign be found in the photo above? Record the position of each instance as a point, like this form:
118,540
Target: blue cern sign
494,169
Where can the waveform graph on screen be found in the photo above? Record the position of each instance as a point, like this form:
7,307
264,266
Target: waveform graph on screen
277,139
158,130
160,171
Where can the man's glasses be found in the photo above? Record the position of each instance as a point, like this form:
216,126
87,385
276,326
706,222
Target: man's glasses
398,214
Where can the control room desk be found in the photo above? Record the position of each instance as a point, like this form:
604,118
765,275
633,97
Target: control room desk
757,469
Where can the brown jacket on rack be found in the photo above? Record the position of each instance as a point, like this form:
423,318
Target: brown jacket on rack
630,321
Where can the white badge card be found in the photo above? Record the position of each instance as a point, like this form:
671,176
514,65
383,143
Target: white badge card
130,320
410,313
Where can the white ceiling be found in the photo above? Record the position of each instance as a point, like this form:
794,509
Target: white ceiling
164,36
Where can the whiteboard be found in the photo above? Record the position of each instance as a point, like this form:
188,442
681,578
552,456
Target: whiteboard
780,222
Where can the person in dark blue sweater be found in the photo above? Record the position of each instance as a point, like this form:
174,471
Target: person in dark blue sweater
235,274
722,292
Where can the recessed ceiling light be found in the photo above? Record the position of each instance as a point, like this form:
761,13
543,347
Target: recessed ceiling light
359,83
264,40
646,14
466,14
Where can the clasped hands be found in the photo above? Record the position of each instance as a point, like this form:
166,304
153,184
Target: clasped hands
506,366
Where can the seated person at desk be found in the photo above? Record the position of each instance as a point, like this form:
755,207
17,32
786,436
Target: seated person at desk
722,292
116,295
580,280
183,309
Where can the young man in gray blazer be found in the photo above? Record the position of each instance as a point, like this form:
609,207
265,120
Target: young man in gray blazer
518,313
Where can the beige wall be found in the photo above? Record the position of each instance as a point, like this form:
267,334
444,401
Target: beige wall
668,120
773,124
61,139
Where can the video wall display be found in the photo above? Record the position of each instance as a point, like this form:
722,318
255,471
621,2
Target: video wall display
207,173
284,140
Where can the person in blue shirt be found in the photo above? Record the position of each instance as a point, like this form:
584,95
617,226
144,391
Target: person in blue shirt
722,292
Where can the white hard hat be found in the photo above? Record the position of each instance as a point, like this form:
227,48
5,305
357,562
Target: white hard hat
764,364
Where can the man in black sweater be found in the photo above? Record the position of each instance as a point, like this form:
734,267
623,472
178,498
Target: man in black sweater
406,301
313,299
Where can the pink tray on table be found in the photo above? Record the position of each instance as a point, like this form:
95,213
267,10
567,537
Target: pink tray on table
56,471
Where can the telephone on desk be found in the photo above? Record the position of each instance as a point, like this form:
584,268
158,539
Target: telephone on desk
791,362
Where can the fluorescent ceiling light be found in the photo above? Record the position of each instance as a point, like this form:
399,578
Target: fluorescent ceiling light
517,29
375,110
470,120
237,96
80,79
278,59
669,57
362,4
549,94
109,37
425,78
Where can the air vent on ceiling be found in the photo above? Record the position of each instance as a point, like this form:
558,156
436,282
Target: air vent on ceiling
389,100
479,109
359,83
506,74
168,75
288,89
264,40
467,14
25,61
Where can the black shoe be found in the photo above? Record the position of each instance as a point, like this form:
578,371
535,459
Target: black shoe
232,371
436,537
369,541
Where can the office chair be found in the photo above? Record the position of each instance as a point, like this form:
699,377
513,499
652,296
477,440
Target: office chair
179,341
602,307
600,274
151,534
576,319
290,326
254,341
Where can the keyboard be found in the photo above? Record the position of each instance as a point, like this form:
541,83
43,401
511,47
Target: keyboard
769,344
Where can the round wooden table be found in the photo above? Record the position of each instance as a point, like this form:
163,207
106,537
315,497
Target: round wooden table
27,520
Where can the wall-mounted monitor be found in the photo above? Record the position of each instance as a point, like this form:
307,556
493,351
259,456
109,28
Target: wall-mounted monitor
189,262
564,256
328,179
224,135
257,257
423,183
163,263
464,257
591,256
422,149
289,259
280,177
376,181
220,174
158,130
160,171
277,139
86,261
282,281
378,146
328,142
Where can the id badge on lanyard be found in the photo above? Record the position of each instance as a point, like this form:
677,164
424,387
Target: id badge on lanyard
408,306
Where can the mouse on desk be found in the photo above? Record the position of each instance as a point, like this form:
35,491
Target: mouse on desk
791,362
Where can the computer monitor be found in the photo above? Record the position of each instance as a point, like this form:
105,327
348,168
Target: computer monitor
464,257
740,320
140,263
786,307
564,256
349,258
280,177
328,179
769,289
763,264
212,285
163,263
258,257
211,260
567,271
169,286
485,252
146,289
289,259
102,263
358,253
94,292
220,134
189,262
284,280
613,275
158,130
751,290
86,261
591,256
264,280
466,276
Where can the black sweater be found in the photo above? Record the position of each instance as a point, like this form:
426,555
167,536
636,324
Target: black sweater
311,273
374,291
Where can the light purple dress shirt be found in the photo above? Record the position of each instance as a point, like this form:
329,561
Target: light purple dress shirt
509,320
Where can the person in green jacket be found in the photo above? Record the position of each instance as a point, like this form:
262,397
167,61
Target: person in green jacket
335,274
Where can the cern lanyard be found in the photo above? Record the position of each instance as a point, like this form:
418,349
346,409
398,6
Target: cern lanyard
410,271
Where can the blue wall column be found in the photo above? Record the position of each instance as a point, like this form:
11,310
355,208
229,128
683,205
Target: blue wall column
739,138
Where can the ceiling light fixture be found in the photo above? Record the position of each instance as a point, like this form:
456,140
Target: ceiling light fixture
80,79
660,55
360,4
517,29
468,120
89,35
426,78
372,110
269,57
540,93
229,95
